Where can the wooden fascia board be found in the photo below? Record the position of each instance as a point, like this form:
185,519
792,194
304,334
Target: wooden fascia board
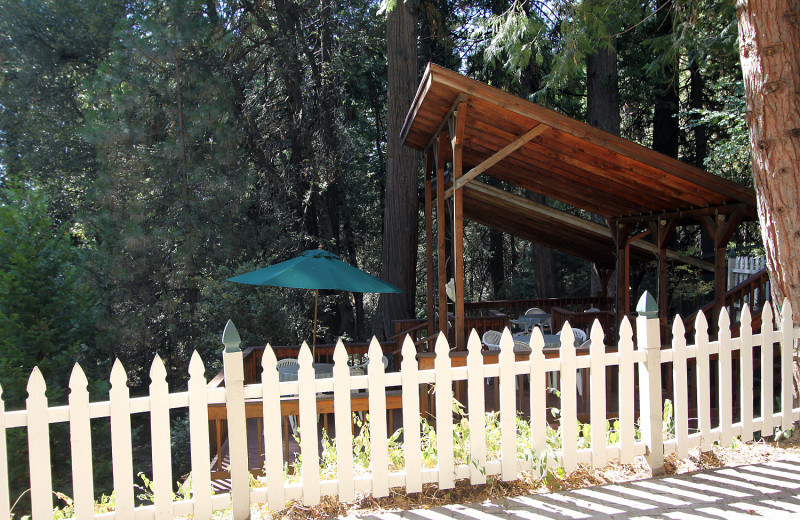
416,105
598,137
682,215
515,145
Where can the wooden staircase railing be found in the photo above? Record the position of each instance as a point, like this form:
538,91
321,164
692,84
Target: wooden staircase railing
754,291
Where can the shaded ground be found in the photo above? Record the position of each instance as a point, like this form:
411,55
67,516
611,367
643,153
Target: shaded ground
750,453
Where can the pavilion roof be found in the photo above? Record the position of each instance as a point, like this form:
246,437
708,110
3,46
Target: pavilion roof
545,152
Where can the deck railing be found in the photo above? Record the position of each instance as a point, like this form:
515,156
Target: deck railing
753,292
760,399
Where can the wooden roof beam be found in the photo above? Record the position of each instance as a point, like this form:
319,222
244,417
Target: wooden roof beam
697,213
512,147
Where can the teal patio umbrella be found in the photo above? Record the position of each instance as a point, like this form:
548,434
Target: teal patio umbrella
316,269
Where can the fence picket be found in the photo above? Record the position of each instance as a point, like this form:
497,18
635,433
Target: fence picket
725,365
343,422
680,386
233,365
271,410
39,447
508,407
787,382
703,381
411,417
626,392
121,445
476,385
538,398
767,349
160,438
80,437
377,420
597,394
199,439
746,373
569,406
443,388
5,500
309,439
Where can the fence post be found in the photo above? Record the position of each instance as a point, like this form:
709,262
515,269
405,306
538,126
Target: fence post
648,339
233,364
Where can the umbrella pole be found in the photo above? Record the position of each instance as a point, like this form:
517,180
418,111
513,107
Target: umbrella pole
314,339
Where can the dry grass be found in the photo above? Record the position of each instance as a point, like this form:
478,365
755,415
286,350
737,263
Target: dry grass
432,496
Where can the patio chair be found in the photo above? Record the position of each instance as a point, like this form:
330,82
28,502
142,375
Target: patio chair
544,324
286,362
491,338
361,368
580,335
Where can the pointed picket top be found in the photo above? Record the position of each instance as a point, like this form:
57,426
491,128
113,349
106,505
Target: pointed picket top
678,328
268,360
701,327
305,358
597,336
442,348
36,384
474,343
158,373
409,354
339,353
1,393
118,375
77,380
786,315
746,318
537,339
196,367
647,306
567,336
766,316
506,340
724,321
375,353
230,338
625,330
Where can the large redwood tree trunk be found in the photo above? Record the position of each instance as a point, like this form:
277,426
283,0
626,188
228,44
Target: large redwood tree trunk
769,32
400,210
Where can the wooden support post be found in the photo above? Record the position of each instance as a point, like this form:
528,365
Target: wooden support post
440,231
721,227
663,230
429,166
620,232
457,141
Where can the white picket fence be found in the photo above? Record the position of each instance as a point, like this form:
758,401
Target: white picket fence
740,268
647,357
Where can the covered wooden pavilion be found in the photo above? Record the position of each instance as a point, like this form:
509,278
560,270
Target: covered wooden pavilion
479,129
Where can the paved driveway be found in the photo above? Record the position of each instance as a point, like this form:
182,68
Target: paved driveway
768,490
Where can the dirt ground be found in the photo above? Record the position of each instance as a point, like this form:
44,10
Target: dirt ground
431,496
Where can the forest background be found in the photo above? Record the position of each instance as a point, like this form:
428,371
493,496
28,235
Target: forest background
151,149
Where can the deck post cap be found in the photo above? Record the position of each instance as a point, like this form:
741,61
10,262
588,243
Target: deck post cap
647,306
230,338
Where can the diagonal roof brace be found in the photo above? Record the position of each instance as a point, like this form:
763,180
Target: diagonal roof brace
512,147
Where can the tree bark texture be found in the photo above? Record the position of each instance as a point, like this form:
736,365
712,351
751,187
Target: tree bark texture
769,32
398,256
768,45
